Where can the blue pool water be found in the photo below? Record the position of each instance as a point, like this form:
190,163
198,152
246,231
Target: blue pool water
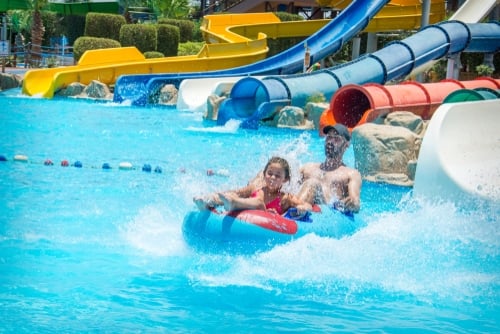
93,250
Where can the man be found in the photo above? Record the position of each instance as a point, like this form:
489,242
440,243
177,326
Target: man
332,182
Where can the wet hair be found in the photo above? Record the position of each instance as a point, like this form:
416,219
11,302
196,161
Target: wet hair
282,162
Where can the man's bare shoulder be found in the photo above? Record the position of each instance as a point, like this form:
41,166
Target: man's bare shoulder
310,166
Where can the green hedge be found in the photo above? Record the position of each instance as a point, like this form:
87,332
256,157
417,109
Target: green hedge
168,39
153,54
186,28
142,36
190,48
83,44
104,25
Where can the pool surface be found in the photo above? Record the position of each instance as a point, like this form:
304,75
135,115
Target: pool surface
101,250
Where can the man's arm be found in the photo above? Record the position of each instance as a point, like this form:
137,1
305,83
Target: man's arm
352,201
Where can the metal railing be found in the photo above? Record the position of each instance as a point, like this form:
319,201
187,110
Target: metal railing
27,56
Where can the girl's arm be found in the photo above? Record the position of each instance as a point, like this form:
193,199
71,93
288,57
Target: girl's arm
212,200
232,201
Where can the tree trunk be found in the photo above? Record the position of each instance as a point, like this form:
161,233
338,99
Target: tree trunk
37,31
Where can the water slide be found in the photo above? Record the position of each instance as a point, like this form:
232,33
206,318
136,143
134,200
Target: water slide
143,89
395,16
459,156
225,50
253,99
353,104
471,11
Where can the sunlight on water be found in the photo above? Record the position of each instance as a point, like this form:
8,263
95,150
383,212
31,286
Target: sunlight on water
77,243
231,126
430,252
152,233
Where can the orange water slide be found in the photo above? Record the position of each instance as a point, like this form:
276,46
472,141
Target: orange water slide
353,105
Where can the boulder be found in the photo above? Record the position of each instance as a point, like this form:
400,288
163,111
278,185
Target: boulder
74,89
292,117
386,153
314,110
168,95
9,81
213,105
97,90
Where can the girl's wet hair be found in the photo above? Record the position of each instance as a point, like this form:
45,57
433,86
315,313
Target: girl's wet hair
282,162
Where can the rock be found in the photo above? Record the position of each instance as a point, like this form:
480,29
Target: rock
407,120
9,81
97,90
314,110
74,89
213,105
292,117
168,95
385,153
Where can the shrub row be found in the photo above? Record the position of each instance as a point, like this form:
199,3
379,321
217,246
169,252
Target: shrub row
103,30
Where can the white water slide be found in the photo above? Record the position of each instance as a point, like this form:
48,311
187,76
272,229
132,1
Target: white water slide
459,160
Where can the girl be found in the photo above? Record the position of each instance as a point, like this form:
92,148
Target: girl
269,197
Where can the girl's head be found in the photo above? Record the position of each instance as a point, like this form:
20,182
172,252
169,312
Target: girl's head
277,169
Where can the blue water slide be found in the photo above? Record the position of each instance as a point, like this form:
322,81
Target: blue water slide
394,61
142,89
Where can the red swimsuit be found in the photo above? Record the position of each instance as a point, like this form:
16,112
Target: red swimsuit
274,204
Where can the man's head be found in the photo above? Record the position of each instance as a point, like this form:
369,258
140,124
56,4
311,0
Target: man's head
337,138
337,129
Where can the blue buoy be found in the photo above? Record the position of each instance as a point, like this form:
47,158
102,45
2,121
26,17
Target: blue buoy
158,169
146,168
78,164
106,166
3,158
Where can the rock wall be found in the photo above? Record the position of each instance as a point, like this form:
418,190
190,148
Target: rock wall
387,152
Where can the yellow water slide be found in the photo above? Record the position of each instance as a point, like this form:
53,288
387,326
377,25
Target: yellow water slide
232,40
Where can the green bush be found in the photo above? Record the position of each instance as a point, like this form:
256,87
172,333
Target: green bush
142,36
186,28
104,25
153,54
84,43
484,70
190,48
197,36
167,41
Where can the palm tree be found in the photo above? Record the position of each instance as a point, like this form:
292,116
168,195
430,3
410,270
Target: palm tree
172,9
37,29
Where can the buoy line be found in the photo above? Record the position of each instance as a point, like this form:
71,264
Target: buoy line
124,166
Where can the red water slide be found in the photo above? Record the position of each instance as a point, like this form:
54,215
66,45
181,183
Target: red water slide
353,105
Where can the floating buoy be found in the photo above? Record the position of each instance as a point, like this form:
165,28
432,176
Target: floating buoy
158,170
106,166
48,162
64,163
223,172
20,158
77,164
125,165
146,168
3,158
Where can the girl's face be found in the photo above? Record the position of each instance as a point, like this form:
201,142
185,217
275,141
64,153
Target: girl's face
275,176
